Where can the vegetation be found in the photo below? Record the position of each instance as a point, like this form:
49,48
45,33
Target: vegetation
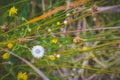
59,40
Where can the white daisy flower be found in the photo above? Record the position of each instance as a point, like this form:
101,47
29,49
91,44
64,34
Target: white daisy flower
38,51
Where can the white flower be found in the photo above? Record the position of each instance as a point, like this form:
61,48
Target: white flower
65,22
38,51
68,14
49,30
94,19
58,55
9,62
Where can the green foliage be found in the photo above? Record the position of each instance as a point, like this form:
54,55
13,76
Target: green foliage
79,26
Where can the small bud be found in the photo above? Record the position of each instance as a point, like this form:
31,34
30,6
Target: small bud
93,56
95,8
84,48
52,57
58,23
68,14
94,19
3,28
20,40
65,21
77,39
58,55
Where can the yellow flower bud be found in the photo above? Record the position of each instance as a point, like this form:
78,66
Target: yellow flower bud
10,45
5,56
93,56
22,76
54,40
12,11
52,57
84,48
58,23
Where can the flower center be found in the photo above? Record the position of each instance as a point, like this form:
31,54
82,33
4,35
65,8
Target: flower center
37,51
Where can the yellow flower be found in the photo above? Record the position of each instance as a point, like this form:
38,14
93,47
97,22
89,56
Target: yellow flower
22,76
84,48
58,23
93,56
54,40
10,45
12,11
52,57
5,56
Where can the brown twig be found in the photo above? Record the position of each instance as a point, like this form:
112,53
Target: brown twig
107,9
